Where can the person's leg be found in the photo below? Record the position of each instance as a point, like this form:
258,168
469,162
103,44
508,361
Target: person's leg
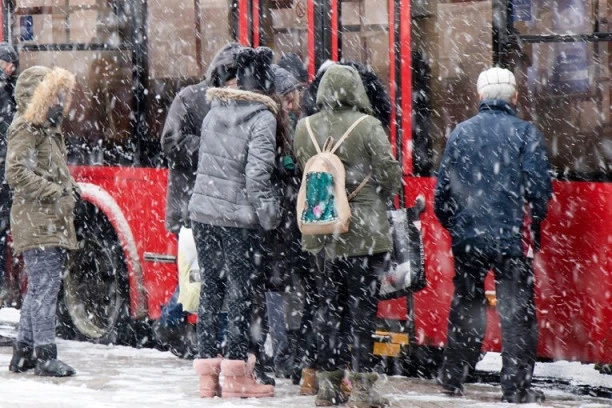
238,246
515,294
331,287
45,268
210,261
363,283
466,322
276,321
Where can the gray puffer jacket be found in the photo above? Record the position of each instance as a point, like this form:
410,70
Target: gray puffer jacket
236,160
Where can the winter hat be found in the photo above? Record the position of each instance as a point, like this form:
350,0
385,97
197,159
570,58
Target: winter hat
223,66
284,82
254,69
8,53
496,83
293,63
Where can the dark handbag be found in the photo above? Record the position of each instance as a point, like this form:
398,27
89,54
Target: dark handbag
407,270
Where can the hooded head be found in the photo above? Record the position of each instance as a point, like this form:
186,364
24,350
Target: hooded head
40,90
284,82
377,94
8,54
223,66
341,86
497,83
254,70
293,63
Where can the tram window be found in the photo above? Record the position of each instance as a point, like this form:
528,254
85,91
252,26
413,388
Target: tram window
452,41
284,27
544,17
99,127
365,35
566,92
71,21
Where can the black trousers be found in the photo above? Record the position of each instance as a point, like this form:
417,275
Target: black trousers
225,257
514,287
348,300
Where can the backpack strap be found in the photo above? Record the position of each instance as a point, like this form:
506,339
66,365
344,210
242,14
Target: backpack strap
347,133
312,136
359,187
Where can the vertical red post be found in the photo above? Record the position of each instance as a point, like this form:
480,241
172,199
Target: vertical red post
406,91
243,22
392,79
334,29
256,23
311,39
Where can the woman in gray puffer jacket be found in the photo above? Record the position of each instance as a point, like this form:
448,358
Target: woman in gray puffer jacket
233,197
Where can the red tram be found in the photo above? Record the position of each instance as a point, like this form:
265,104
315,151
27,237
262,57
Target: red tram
132,56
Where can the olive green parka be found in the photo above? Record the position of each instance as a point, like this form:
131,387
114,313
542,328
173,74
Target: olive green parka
342,100
36,168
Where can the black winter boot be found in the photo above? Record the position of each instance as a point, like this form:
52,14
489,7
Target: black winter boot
330,393
260,374
23,358
363,394
47,364
527,396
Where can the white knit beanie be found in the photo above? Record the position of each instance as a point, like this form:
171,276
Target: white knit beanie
496,83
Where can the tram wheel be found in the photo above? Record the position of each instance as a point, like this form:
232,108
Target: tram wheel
94,300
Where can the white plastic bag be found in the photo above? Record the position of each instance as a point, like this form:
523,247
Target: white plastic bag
188,271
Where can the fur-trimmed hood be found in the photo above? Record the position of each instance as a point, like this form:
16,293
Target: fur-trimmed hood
38,89
237,95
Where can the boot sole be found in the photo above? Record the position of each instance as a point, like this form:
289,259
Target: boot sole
44,374
366,405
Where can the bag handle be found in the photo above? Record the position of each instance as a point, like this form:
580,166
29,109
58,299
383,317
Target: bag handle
312,136
347,133
359,187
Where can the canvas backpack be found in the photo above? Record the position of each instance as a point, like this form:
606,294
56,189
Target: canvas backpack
323,204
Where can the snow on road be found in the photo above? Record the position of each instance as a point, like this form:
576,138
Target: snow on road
121,377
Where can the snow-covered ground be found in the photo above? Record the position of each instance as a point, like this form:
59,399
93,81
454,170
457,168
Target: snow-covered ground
116,376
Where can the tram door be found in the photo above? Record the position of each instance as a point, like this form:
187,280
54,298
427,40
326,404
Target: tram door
561,53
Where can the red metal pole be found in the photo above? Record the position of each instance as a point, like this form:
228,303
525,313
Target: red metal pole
311,41
406,91
255,23
334,30
243,22
392,79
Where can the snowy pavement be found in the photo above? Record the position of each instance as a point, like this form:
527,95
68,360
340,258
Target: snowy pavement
116,376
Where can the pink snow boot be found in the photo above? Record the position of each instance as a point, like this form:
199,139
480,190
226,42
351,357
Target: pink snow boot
239,381
208,370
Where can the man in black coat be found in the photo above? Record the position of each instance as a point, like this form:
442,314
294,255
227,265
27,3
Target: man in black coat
494,175
9,62
180,141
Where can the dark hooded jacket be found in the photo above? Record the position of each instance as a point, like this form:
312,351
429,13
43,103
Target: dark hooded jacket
493,165
36,168
342,100
377,94
7,111
180,138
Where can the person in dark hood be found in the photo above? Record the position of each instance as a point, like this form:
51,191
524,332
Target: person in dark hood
232,201
42,219
180,142
494,175
377,94
9,62
295,66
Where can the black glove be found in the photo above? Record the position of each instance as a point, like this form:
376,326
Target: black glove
537,235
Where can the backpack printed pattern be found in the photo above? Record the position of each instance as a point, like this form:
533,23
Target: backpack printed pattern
323,205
